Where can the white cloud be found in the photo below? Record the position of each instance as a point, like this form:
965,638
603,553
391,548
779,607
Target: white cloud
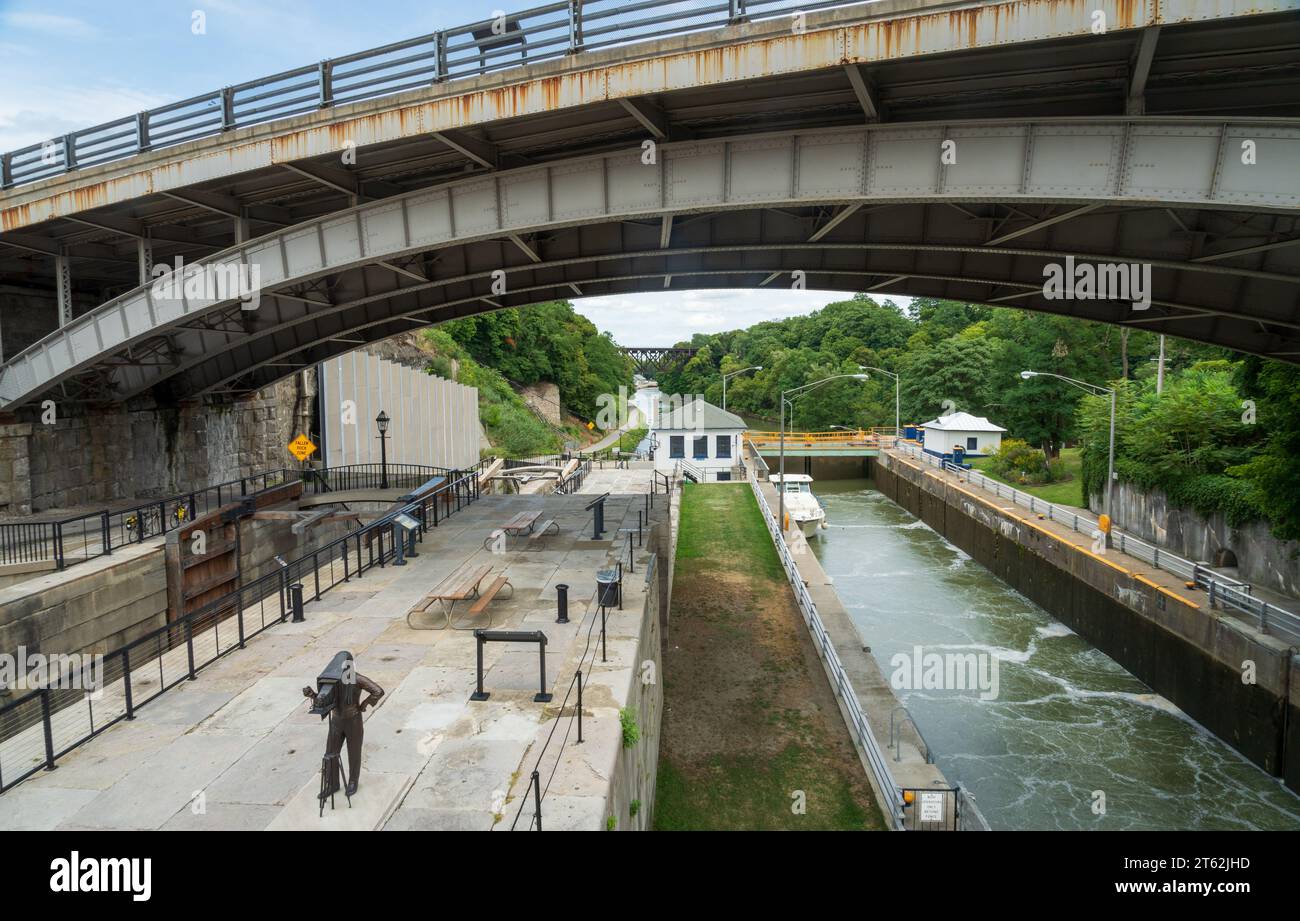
65,27
666,317
36,111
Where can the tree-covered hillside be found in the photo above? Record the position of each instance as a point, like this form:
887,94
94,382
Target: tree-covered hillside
501,351
1220,437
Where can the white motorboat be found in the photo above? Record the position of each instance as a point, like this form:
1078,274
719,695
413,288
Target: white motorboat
804,509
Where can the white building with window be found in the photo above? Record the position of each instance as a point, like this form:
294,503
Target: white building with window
975,435
698,436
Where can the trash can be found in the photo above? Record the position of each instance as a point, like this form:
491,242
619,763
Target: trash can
607,587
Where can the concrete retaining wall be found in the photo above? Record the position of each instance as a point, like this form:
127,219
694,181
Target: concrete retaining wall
1262,559
92,608
1185,652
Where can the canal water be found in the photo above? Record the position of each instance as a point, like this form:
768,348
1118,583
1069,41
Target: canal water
1067,720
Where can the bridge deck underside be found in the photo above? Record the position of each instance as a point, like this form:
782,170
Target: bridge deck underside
747,189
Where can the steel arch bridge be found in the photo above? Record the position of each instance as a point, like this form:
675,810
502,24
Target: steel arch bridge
965,208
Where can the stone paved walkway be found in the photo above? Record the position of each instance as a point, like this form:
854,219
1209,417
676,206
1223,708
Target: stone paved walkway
236,748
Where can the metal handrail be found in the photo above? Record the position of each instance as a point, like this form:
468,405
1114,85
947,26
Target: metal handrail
1222,589
65,718
526,37
53,539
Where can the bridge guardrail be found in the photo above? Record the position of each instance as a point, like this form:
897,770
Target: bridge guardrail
1223,590
880,773
540,33
46,722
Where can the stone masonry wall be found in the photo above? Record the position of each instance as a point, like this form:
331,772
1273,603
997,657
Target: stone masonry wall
100,456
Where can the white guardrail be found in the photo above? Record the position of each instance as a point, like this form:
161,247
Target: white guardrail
881,775
1223,591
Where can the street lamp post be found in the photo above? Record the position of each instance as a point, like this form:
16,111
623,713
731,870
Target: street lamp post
897,424
1097,390
787,401
382,421
733,374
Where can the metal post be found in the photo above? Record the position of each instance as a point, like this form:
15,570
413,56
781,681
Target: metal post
383,460
561,603
126,683
325,74
189,645
780,487
575,26
399,546
410,545
227,108
579,706
543,696
537,798
295,591
602,630
479,693
1110,471
49,729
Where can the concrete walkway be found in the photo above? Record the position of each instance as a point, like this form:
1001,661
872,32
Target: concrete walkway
236,748
1167,582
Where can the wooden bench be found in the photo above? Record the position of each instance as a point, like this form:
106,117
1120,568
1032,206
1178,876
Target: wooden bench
485,599
547,527
460,585
519,525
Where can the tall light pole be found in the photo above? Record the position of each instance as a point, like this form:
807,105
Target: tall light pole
1096,390
733,374
786,401
897,425
382,421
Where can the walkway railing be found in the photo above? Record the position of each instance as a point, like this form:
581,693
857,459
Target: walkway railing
541,33
1223,591
68,709
78,538
840,683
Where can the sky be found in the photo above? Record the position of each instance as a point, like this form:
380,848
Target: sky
70,64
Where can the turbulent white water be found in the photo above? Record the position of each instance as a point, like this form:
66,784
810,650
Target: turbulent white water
1067,722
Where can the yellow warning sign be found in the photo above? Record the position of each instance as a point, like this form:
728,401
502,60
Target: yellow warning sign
302,447
591,425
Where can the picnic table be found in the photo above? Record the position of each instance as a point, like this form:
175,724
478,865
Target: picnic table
463,584
523,524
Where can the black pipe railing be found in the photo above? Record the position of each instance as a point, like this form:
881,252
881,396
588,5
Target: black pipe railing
47,722
78,538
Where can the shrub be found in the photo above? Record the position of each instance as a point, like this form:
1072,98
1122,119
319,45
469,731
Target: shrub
631,731
1017,461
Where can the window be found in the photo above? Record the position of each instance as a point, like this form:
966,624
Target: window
677,446
724,476
702,447
972,444
724,446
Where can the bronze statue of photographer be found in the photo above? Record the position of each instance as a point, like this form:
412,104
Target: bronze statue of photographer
338,696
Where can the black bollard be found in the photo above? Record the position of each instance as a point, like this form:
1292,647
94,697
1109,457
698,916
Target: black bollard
562,604
295,595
